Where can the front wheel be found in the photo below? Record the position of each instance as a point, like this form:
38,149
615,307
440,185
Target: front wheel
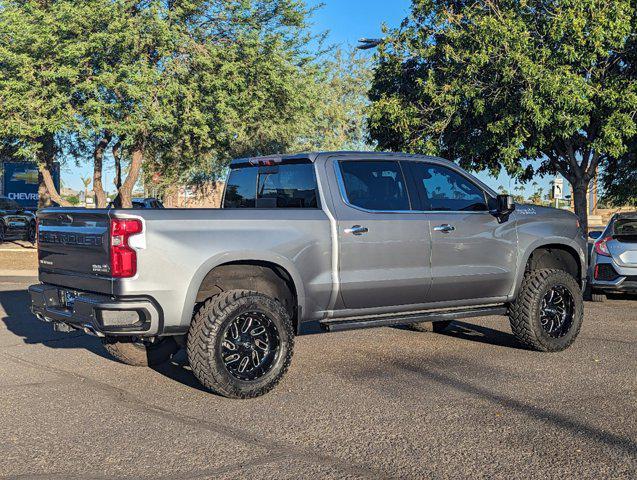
31,233
240,344
548,312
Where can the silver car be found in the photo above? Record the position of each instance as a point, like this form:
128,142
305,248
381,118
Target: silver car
613,266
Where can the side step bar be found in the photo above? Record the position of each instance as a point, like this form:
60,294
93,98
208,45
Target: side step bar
338,325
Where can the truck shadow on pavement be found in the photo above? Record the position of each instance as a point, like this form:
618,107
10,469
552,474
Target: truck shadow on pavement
22,323
414,377
31,331
478,333
482,334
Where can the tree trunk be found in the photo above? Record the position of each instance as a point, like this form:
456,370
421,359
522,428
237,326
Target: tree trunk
124,197
117,156
44,199
98,160
50,187
580,189
46,157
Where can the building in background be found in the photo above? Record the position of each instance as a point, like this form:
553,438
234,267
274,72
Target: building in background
19,181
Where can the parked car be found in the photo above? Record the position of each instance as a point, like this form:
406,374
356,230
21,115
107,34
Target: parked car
16,223
613,265
147,203
342,240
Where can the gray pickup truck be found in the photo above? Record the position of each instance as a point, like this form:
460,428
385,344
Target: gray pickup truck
340,240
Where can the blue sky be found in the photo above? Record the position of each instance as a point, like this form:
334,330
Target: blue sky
346,21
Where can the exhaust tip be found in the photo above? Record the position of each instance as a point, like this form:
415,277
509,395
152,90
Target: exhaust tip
90,330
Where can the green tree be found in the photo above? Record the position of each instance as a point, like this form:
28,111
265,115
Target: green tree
86,181
619,180
180,87
338,121
36,79
534,86
167,86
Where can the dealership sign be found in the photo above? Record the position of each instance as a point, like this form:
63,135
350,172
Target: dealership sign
21,182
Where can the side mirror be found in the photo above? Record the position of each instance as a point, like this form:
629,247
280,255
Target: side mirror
504,206
595,234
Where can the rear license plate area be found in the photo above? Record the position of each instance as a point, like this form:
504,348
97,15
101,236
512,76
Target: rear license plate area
67,298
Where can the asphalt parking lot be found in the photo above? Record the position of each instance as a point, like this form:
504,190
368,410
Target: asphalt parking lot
383,403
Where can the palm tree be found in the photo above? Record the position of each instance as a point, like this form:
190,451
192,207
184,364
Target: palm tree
86,181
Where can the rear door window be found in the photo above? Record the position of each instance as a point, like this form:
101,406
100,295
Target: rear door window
375,185
277,186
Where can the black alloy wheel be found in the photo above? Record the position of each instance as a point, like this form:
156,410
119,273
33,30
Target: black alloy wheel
557,311
250,346
240,343
548,311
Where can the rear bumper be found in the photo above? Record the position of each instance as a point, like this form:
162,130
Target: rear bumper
95,314
619,285
622,279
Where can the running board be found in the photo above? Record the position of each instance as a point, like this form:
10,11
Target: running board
338,325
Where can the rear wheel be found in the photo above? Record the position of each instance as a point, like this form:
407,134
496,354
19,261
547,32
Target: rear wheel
435,327
547,314
2,232
141,353
240,344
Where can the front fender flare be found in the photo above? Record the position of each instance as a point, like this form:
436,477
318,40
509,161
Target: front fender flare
544,242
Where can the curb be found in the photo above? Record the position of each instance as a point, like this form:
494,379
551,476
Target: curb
18,273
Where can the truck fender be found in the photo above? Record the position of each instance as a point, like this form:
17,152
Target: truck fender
545,242
239,256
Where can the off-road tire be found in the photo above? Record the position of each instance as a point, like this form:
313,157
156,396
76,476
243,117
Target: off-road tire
139,354
31,233
435,327
524,312
205,339
598,296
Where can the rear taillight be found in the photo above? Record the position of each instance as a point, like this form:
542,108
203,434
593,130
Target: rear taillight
123,257
601,247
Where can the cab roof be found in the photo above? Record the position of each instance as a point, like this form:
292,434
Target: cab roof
313,156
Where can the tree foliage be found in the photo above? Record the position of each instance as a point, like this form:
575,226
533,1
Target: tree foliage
619,180
173,88
532,86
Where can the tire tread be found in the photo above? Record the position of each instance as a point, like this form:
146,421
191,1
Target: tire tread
206,325
522,310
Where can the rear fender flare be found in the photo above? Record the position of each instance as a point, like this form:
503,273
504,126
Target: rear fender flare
242,256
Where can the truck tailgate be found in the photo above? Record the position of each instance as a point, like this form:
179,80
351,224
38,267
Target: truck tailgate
73,244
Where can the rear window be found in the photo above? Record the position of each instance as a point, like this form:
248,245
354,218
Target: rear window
626,227
278,186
